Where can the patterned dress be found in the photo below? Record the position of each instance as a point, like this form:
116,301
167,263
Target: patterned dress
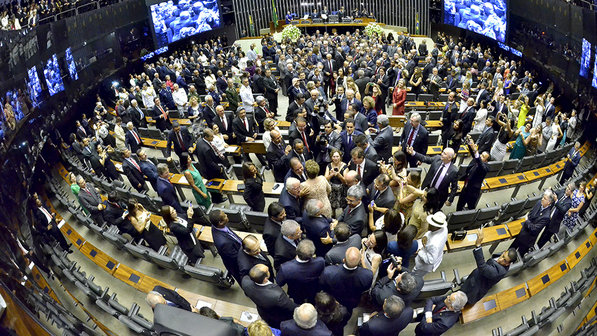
577,198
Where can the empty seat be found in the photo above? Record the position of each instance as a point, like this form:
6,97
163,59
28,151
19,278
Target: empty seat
256,220
433,139
425,97
138,251
525,164
511,211
411,97
112,235
435,287
113,302
509,167
434,115
486,215
534,257
209,274
493,168
461,219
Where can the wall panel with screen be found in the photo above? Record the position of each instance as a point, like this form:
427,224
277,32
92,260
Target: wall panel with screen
70,64
486,17
53,77
34,86
176,19
594,81
585,59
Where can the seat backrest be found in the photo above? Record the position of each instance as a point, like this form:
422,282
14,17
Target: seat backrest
256,219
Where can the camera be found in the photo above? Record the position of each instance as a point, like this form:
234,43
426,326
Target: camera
396,261
321,105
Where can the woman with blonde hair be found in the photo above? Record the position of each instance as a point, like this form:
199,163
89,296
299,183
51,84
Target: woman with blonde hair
269,124
316,187
350,84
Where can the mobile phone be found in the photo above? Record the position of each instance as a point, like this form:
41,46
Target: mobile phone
275,186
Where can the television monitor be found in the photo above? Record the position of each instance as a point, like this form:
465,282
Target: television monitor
53,77
70,64
585,58
486,17
594,81
34,86
176,19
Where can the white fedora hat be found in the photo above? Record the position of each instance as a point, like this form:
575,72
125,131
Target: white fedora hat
438,220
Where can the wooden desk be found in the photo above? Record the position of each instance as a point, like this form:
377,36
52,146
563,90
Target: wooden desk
283,123
505,181
593,238
256,147
147,284
397,121
537,174
556,167
415,104
485,307
181,121
576,256
223,308
128,275
513,296
231,187
99,258
492,235
515,226
541,281
72,235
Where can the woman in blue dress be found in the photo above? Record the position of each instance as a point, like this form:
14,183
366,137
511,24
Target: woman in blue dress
522,140
578,200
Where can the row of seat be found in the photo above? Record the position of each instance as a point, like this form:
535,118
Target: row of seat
589,324
568,300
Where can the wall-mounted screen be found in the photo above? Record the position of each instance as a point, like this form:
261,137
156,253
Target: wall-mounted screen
52,74
594,81
486,17
70,64
176,19
34,86
585,59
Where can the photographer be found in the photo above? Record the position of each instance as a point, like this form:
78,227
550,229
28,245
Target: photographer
404,285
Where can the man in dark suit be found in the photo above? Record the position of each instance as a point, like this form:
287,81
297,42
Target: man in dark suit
473,178
442,174
244,127
380,192
131,138
305,323
166,190
300,152
449,114
385,138
161,295
560,208
212,161
395,317
148,168
46,224
278,157
224,123
572,160
500,106
482,95
290,200
273,304
262,112
350,100
488,273
91,200
355,214
295,107
181,139
302,273
160,115
347,137
304,133
348,281
536,219
344,240
286,243
329,66
297,170
365,168
405,285
441,313
136,114
133,171
414,135
271,228
209,110
550,109
250,255
487,137
226,241
271,90
362,141
362,81
468,116
318,228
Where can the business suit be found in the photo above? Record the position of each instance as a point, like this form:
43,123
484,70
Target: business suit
137,117
295,134
473,181
260,115
166,191
536,220
482,96
371,153
383,199
336,254
133,172
292,205
486,275
271,232
361,123
43,219
570,165
381,325
486,139
383,143
550,110
346,285
132,140
315,229
450,180
186,239
418,142
89,199
355,218
150,171
302,278
273,304
253,193
368,173
348,143
284,251
560,208
467,117
224,129
290,328
386,287
209,113
442,319
161,122
209,160
246,262
228,245
173,297
182,141
241,131
449,114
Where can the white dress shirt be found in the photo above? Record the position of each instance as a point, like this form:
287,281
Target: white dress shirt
430,256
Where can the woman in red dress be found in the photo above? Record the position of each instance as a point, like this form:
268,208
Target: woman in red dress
398,98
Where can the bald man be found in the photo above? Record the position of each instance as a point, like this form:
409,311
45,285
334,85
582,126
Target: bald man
278,156
250,255
347,281
442,175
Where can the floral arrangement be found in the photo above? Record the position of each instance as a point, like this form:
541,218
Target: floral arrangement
373,28
291,32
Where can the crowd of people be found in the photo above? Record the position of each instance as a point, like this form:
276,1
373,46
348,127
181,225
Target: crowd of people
353,216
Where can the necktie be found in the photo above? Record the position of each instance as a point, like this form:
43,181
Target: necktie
305,140
224,123
331,69
141,113
215,150
266,110
83,129
164,115
134,164
359,171
246,125
180,142
136,137
410,137
233,235
376,194
436,180
47,213
440,310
